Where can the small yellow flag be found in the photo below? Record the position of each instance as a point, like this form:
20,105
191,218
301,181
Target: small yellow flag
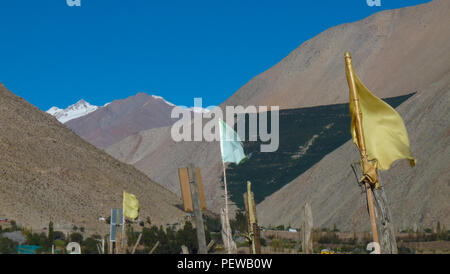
385,134
130,205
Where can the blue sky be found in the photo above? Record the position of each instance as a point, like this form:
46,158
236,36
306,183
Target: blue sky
53,54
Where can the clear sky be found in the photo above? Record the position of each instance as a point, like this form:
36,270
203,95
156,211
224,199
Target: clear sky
53,55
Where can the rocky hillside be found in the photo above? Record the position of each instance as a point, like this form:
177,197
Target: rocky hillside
49,173
395,52
419,197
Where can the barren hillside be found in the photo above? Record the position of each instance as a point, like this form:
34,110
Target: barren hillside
49,173
394,51
419,197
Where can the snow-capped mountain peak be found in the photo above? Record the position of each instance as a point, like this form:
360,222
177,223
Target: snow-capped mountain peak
54,110
76,110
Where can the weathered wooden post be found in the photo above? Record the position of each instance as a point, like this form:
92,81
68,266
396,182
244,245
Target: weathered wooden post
210,246
154,247
227,234
137,243
184,249
199,226
252,220
388,243
306,230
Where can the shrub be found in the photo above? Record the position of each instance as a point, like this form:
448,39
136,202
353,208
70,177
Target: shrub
7,246
76,237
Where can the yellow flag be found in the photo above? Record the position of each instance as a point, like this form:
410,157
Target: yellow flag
385,134
130,205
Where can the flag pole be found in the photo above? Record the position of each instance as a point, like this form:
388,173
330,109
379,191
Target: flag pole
122,237
226,205
367,180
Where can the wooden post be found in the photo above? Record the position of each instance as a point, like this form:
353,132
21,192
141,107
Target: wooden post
388,243
197,212
137,243
154,248
252,220
227,237
306,230
249,224
184,249
257,238
210,245
361,144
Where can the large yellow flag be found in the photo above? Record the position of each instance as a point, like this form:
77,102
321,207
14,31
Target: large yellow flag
130,205
385,134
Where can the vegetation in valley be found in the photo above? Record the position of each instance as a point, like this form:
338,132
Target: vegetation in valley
306,136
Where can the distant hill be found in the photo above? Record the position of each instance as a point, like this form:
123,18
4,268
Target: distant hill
121,118
49,173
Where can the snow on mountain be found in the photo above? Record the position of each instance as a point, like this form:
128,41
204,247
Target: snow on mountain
165,101
81,108
54,110
193,109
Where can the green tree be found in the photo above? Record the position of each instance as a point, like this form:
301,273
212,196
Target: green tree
212,223
7,246
239,223
76,237
89,246
188,237
14,226
51,235
58,235
132,236
149,236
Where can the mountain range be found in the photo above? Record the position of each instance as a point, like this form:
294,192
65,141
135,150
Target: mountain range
106,125
395,52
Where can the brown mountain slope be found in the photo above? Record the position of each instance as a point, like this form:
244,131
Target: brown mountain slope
419,197
395,52
157,155
49,173
121,118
